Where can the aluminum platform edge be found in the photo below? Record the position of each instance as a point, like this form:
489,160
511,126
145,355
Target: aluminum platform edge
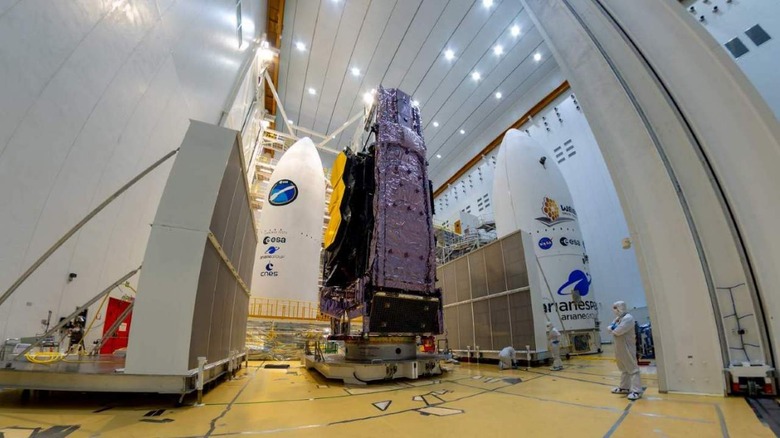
89,376
335,367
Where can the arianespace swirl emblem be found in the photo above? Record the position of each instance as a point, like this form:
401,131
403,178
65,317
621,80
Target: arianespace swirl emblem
554,214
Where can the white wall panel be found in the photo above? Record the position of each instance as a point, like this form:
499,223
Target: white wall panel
92,93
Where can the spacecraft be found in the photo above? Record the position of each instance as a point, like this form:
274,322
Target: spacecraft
379,257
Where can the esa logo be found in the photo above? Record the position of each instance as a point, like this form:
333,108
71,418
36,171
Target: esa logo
272,250
566,242
273,239
269,271
283,192
545,243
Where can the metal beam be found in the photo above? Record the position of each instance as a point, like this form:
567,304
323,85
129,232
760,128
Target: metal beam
78,226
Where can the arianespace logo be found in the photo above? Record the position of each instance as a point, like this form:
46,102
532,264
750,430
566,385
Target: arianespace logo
555,214
283,192
578,281
269,271
545,243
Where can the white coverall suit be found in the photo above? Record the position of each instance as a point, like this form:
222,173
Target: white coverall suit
554,339
622,328
506,358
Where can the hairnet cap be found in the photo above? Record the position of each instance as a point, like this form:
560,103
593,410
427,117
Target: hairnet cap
620,306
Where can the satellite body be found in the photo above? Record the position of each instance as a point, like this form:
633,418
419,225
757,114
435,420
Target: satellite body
379,259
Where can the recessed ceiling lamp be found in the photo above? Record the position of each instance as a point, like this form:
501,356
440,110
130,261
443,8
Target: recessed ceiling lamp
476,76
416,103
300,46
487,3
498,95
449,55
435,124
498,50
438,155
462,132
312,91
290,122
515,30
537,56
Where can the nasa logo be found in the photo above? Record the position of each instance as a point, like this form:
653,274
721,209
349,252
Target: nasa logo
272,249
580,282
269,271
282,193
545,243
566,242
273,239
552,213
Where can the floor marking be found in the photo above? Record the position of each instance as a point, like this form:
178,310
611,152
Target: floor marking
417,398
619,420
382,405
440,412
155,420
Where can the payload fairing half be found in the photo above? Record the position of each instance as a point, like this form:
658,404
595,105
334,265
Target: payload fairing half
287,265
530,194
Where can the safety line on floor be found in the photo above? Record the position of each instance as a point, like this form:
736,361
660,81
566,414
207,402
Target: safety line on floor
619,421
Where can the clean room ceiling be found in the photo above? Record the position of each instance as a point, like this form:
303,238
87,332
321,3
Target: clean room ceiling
465,62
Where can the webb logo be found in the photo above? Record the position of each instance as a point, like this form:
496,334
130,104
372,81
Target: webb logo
555,214
579,281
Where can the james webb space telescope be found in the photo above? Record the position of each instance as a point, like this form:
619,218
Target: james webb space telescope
379,261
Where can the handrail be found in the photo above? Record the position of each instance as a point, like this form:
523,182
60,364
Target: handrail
285,309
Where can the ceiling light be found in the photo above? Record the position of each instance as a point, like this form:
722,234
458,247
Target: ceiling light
476,76
537,56
438,155
312,91
449,55
487,3
355,71
368,98
498,95
300,46
515,30
462,132
498,50
435,124
291,122
416,103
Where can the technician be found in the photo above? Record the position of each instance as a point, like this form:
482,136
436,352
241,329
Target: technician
622,328
554,343
506,359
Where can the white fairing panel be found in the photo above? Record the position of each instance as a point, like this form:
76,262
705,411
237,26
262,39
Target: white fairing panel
533,196
288,255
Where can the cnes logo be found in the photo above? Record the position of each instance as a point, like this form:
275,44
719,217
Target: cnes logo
272,250
269,271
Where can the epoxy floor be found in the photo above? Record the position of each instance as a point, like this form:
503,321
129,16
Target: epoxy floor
471,400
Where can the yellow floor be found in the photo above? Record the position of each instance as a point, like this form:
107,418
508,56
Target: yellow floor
471,400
